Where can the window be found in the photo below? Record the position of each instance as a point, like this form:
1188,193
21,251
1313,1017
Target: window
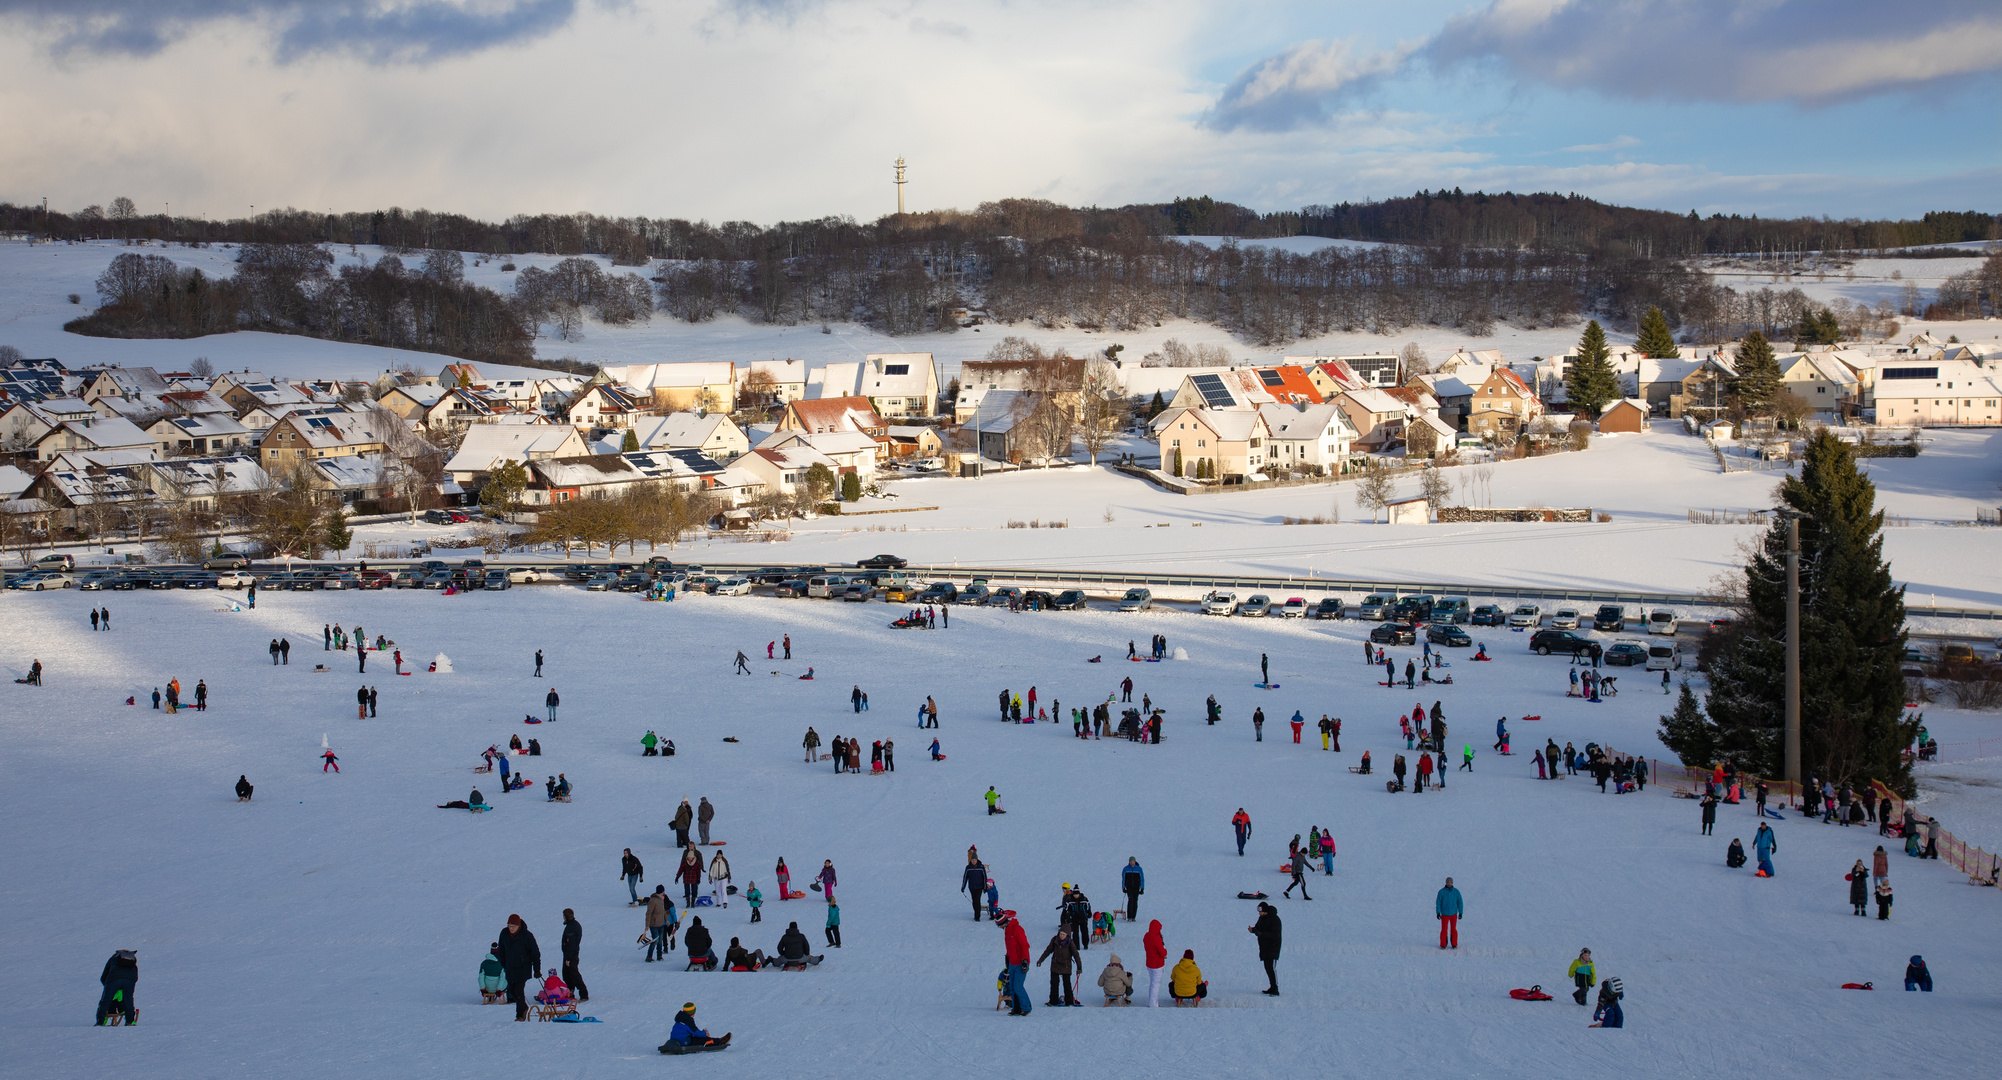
1202,442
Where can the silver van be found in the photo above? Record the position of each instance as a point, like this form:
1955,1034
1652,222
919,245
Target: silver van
825,586
1664,656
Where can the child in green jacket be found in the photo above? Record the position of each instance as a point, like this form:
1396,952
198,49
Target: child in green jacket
757,900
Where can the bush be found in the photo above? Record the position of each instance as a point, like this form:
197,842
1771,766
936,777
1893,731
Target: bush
75,299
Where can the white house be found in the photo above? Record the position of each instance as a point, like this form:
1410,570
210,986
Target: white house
851,451
715,435
782,469
487,445
1309,435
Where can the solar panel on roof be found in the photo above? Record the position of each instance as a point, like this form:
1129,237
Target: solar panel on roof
1214,393
1272,378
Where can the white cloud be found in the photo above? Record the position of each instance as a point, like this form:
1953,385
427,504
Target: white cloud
1300,86
1620,143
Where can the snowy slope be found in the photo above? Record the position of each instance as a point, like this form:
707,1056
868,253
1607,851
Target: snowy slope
333,926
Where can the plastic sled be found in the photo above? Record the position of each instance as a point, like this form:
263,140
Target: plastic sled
672,1047
530,720
795,895
1536,717
1260,895
815,886
705,901
1096,659
714,843
573,1018
1266,685
1534,993
1858,986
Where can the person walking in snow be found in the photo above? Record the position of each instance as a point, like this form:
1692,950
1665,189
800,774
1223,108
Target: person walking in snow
1126,689
1258,724
1448,906
1298,722
1067,964
689,873
538,663
121,980
704,814
1582,972
1015,946
573,940
550,701
1709,804
1240,823
1424,772
973,881
855,698
371,702
826,879
743,663
812,744
202,699
634,872
1264,670
1133,882
719,880
1467,758
785,643
1859,888
274,649
1299,865
1765,844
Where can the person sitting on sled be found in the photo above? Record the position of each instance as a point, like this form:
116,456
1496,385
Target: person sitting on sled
1365,763
553,991
687,1034
1482,652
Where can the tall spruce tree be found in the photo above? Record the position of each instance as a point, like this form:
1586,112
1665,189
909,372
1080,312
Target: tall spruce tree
1655,341
1852,638
1590,384
1687,731
1757,386
1817,328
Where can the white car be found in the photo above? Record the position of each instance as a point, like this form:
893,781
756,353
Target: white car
53,579
523,575
233,579
1294,608
1661,622
1525,616
735,586
1220,603
1564,619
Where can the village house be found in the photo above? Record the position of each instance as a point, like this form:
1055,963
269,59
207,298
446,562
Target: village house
304,438
109,485
1702,390
1311,437
602,405
1454,395
913,441
850,451
207,434
1238,388
94,433
1232,442
692,386
1824,383
1059,379
247,390
1627,415
1377,417
689,470
715,435
124,382
769,384
1503,406
899,385
591,476
487,445
832,414
1937,394
1426,436
783,470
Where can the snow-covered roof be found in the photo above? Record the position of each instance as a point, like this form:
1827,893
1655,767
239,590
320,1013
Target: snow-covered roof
13,481
205,426
65,408
681,376
424,394
897,375
829,442
793,456
784,372
591,470
1448,386
324,431
835,414
1667,370
486,445
354,472
1375,401
681,429
104,432
1305,422
833,381
673,464
239,473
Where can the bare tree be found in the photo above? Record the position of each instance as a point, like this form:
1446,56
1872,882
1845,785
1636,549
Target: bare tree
200,368
1100,409
1415,361
1375,487
1432,484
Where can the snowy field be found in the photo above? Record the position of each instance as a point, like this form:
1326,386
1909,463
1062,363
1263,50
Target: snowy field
333,926
35,279
1647,483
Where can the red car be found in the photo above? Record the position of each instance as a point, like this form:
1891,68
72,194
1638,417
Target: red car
376,579
459,517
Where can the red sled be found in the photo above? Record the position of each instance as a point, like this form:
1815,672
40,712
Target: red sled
1534,993
1857,986
795,896
1536,717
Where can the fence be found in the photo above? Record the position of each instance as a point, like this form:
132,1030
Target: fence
1955,852
1728,517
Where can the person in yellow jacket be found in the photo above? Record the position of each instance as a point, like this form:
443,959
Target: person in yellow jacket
1581,975
1185,982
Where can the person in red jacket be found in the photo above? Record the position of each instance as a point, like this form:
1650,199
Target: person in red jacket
1157,958
1015,942
1240,823
1424,772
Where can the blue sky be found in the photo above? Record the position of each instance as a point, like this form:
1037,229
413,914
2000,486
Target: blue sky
768,109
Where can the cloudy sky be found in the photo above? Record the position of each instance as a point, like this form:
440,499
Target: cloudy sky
769,109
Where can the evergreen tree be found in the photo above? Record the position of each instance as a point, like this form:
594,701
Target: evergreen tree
631,443
1757,386
851,487
1852,639
1157,406
339,536
1655,340
1178,460
1817,328
1591,385
1687,731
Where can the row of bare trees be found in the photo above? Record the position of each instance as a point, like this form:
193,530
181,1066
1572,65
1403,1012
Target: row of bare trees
654,513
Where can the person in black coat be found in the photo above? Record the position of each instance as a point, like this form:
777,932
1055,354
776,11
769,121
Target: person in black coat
1735,857
974,881
1266,929
521,959
1709,803
573,938
698,941
793,945
1133,882
551,701
121,976
243,788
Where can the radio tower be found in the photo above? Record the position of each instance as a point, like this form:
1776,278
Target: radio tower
900,186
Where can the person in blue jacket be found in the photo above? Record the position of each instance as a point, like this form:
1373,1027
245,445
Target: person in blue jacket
1764,843
1448,906
1916,975
993,899
688,1035
1133,881
1608,1013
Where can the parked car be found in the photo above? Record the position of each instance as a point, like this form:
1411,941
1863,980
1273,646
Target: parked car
1068,600
939,592
341,581
1415,608
1330,607
227,562
498,578
1376,606
1545,642
1664,656
200,579
1610,617
1395,633
1002,596
33,581
459,517
735,586
1957,654
233,579
57,561
1625,654
1257,606
1661,622
857,592
822,586
1445,633
634,581
898,594
376,579
1564,618
1136,600
157,580
1488,615
1295,607
96,580
974,594
770,575
1525,616
1453,609
407,579
1220,603
598,583
437,517
882,562
1037,600
524,575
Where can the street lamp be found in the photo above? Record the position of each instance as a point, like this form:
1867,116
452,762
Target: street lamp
1792,518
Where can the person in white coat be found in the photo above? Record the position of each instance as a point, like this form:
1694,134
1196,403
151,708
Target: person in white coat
719,880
